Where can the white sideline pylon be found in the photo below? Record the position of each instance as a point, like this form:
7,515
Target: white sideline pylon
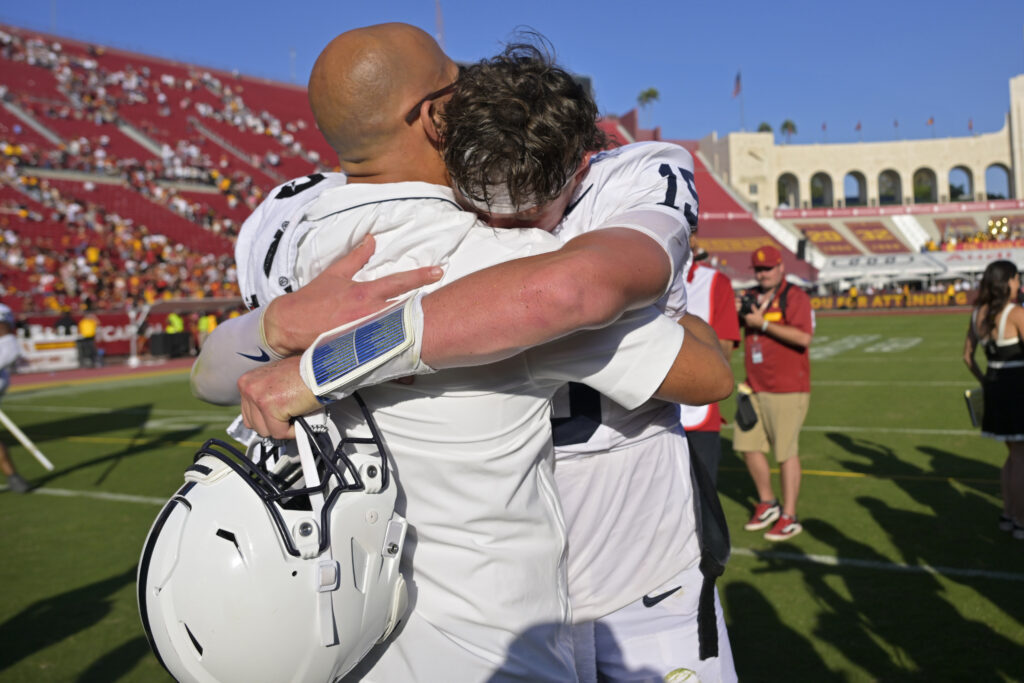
25,441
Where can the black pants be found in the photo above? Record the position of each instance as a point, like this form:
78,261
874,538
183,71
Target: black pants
708,447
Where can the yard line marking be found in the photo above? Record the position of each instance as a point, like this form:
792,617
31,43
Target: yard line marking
889,383
131,440
95,410
880,476
156,373
99,495
884,430
825,560
833,561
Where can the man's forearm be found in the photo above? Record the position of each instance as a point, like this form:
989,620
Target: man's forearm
235,347
497,312
789,334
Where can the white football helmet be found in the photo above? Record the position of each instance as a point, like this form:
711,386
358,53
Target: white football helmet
251,573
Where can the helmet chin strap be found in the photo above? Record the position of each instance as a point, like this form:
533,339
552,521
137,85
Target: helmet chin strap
328,570
310,476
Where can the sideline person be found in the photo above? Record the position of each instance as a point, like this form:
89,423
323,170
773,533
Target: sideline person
709,295
778,325
10,352
997,325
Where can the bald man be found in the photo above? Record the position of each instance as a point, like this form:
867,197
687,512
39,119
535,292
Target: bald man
472,448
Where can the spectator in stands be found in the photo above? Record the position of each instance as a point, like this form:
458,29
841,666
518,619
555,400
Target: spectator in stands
10,352
997,325
778,325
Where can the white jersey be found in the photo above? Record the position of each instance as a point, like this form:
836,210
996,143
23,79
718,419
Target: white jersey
622,187
620,507
265,257
484,558
10,352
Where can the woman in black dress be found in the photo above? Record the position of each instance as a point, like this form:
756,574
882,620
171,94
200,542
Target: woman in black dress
997,325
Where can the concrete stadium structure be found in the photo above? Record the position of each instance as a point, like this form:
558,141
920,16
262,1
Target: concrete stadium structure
883,173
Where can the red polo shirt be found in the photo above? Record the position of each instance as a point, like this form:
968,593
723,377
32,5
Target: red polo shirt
783,368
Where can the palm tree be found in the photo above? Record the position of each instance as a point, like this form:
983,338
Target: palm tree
647,96
788,129
765,127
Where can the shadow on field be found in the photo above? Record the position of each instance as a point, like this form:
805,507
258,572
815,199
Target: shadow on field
763,647
886,620
54,619
959,528
132,417
116,663
128,417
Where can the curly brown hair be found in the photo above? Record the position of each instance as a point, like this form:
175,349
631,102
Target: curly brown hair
520,121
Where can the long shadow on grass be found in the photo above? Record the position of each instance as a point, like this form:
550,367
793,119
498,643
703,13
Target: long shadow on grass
959,531
51,620
763,647
143,445
116,663
901,626
116,419
733,480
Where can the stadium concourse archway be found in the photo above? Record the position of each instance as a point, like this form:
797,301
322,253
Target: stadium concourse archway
805,174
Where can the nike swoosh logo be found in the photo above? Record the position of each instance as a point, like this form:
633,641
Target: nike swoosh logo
263,357
651,602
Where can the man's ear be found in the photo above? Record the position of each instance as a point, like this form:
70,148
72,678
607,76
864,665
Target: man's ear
431,123
584,167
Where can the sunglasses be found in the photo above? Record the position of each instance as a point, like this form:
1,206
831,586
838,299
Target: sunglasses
414,113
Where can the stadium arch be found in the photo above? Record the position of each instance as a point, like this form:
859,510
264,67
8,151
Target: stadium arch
788,190
997,182
890,188
821,190
961,183
926,187
855,189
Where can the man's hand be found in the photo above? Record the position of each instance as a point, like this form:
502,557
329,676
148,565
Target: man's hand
755,318
272,395
293,321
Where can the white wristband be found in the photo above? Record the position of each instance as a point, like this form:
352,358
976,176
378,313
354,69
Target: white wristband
375,349
764,326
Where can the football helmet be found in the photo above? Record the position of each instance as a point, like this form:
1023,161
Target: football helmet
278,565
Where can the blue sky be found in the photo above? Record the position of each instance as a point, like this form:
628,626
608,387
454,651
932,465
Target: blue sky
872,61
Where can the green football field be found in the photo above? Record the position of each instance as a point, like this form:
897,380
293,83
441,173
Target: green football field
901,573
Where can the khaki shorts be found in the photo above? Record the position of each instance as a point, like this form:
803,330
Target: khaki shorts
779,419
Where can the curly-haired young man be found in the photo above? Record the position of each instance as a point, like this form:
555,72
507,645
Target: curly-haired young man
522,148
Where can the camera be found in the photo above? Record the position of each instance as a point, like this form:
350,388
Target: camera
748,304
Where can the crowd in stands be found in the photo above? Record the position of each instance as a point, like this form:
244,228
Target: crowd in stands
100,261
164,133
999,233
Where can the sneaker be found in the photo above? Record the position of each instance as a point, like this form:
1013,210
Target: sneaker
1005,523
786,527
764,514
18,485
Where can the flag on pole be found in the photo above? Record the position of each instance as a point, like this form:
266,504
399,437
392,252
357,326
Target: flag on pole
895,123
857,127
824,126
736,87
931,120
970,124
